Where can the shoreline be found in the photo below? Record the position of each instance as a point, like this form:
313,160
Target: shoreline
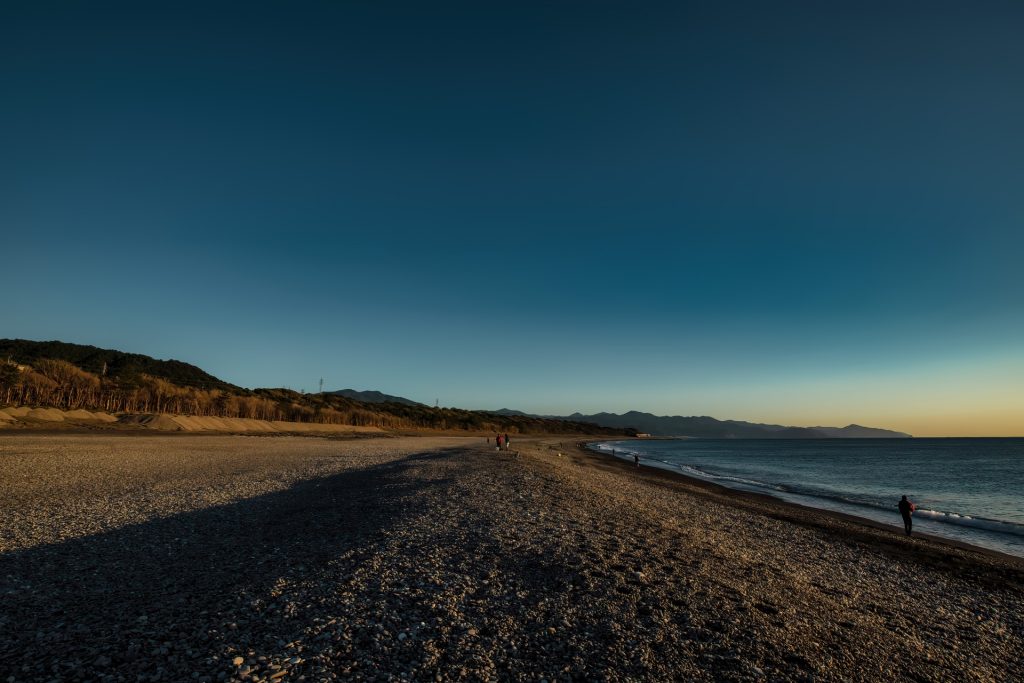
806,515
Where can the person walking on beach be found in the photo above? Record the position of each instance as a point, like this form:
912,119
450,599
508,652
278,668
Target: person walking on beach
636,459
906,510
506,442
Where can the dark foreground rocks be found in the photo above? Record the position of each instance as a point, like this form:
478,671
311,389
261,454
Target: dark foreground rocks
279,559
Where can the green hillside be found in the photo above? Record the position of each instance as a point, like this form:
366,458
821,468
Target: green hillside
71,376
119,365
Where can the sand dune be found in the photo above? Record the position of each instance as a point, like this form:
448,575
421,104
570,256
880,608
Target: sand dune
29,417
86,415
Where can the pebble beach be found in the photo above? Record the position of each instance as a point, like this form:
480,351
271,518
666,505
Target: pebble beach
286,558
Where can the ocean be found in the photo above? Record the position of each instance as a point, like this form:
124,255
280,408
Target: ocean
971,490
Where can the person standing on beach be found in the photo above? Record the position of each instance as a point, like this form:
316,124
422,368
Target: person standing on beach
907,510
506,442
636,459
497,442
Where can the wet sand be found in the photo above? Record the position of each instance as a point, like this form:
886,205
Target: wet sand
288,558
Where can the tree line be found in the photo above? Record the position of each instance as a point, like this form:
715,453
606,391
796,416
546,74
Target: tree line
60,384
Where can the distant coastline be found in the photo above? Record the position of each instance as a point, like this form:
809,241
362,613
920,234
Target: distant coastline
77,377
678,426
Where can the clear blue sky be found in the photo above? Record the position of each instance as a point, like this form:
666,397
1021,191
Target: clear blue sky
794,212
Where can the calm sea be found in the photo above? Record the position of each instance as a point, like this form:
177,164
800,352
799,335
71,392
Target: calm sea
968,489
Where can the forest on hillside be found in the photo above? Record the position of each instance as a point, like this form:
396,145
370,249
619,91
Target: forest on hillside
59,383
108,362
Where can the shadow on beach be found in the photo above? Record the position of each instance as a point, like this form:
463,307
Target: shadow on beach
136,593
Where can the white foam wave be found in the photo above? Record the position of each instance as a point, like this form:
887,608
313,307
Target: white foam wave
974,522
617,449
701,474
952,518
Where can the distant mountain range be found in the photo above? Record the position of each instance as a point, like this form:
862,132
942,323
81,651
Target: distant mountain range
372,397
78,377
125,371
709,427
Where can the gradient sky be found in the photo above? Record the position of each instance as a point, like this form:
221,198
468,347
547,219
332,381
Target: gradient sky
805,213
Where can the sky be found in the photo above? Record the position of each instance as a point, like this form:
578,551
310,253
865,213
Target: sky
797,213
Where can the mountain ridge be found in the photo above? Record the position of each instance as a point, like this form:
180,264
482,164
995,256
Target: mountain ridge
709,427
131,368
75,377
110,362
372,396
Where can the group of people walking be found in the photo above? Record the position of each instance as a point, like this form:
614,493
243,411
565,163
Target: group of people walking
501,442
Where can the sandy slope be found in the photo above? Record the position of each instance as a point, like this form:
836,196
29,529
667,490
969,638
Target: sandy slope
24,417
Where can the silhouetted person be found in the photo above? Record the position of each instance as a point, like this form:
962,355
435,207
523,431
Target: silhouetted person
907,510
506,441
636,459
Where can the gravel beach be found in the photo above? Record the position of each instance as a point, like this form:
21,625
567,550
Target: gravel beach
274,558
